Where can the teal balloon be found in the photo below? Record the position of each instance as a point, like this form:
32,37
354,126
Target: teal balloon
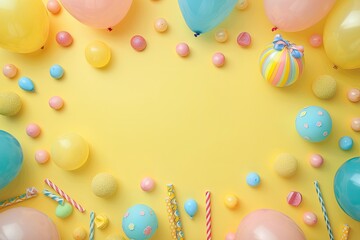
347,187
11,158
191,207
203,15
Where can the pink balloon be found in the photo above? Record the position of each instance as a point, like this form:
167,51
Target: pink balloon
23,223
98,14
296,15
266,224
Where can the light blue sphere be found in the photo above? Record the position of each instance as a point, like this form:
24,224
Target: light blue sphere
11,158
347,187
346,143
139,222
313,123
56,71
253,179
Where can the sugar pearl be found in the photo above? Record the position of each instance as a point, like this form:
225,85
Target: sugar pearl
147,184
64,39
53,6
316,160
33,130
316,40
160,25
310,218
56,102
10,70
42,156
355,124
138,43
353,95
218,59
221,35
182,49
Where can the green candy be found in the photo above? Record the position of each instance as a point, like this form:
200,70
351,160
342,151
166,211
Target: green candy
63,211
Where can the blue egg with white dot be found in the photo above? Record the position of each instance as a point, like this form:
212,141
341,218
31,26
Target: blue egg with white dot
253,179
26,84
56,71
139,222
313,123
346,143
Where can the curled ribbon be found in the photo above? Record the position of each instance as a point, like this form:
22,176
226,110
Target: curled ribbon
280,44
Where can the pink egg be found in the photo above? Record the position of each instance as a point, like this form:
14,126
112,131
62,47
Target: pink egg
53,6
355,124
56,102
316,40
244,39
138,43
182,49
10,70
147,184
310,218
33,130
316,160
64,39
230,236
353,95
42,156
218,59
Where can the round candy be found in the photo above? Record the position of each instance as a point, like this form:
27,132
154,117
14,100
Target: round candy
139,222
104,185
242,4
221,35
324,87
230,236
218,59
253,179
244,39
79,233
10,70
63,211
98,54
10,103
33,130
313,123
346,143
316,160
294,199
138,43
160,25
285,165
316,40
310,218
70,151
56,71
147,184
56,102
53,6
355,124
101,221
354,95
26,84
231,201
42,156
64,39
182,49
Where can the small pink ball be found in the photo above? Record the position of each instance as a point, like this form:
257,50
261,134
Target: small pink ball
182,49
33,130
53,6
310,218
218,59
56,102
316,40
316,160
10,70
42,156
230,236
64,39
353,95
355,124
147,184
138,43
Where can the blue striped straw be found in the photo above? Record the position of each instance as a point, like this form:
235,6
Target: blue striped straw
326,218
53,196
92,219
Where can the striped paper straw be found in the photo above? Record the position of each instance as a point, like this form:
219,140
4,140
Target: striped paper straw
345,232
208,214
92,229
323,209
171,218
64,195
176,213
53,196
30,193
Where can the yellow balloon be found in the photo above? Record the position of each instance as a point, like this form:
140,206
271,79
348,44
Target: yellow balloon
98,54
342,34
24,25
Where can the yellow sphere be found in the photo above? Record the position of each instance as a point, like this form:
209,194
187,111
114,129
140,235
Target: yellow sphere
104,185
70,151
79,233
231,201
98,54
221,35
285,165
10,103
324,87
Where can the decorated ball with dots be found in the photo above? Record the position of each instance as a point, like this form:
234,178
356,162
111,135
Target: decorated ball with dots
139,222
313,123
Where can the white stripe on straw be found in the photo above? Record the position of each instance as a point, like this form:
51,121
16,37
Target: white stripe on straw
326,218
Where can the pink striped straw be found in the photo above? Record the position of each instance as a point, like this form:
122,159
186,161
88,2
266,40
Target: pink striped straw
64,195
208,214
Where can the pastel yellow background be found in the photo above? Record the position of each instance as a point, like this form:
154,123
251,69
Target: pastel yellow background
179,120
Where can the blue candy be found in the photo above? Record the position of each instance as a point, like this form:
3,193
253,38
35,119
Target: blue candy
56,71
26,84
253,179
346,143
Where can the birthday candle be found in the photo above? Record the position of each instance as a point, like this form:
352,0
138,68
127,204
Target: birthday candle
326,218
30,193
176,213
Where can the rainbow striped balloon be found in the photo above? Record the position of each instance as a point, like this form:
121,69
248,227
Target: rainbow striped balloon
282,63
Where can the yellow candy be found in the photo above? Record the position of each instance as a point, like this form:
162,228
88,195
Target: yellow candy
285,165
231,201
101,221
79,233
10,103
324,87
104,185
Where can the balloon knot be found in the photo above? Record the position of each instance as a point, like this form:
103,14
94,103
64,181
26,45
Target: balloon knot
42,47
335,67
110,29
196,34
274,29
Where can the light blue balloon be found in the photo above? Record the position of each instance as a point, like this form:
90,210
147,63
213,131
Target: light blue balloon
11,158
26,84
203,15
347,187
191,207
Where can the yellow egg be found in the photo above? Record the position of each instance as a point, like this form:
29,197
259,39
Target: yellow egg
221,35
104,185
231,201
324,87
10,103
79,233
285,165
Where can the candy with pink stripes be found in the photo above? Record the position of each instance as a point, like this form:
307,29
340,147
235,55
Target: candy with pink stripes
208,214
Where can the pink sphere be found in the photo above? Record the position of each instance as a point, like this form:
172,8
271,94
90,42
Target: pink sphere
218,59
230,236
310,218
10,70
182,49
138,43
42,156
353,95
33,130
147,184
316,40
56,102
53,6
355,124
316,160
64,39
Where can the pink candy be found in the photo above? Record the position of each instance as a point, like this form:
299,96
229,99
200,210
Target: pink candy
294,199
64,39
147,184
316,160
316,40
33,130
310,218
42,156
53,6
244,39
10,70
56,102
218,59
182,49
353,95
138,43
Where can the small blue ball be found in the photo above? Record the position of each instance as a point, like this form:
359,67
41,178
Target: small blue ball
346,143
253,179
26,84
56,71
